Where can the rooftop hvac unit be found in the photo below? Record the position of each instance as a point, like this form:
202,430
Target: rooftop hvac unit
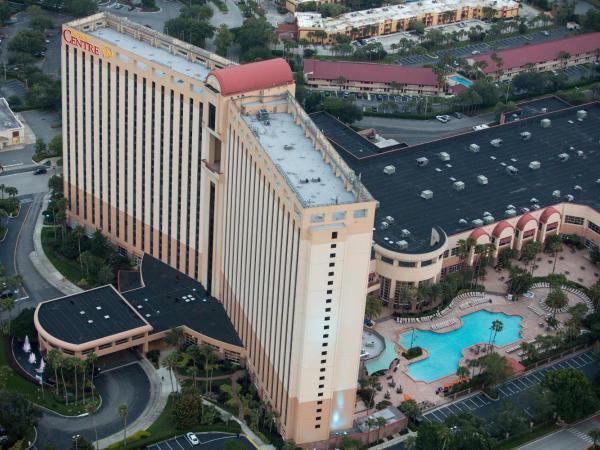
510,212
444,156
512,170
535,165
384,225
545,123
535,206
262,114
496,142
477,222
598,181
581,114
288,147
569,198
525,135
427,194
488,219
462,222
533,200
578,188
524,210
422,162
389,219
402,245
563,157
474,148
580,153
482,179
556,194
404,233
487,213
389,170
511,207
458,185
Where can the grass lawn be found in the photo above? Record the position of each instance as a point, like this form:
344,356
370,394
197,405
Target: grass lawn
69,268
16,383
527,437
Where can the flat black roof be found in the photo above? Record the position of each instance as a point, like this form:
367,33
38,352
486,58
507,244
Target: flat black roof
88,316
539,106
128,280
170,298
399,194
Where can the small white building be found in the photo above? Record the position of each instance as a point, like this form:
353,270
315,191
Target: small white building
11,128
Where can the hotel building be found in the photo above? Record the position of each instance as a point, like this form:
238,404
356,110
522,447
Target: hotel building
396,18
213,169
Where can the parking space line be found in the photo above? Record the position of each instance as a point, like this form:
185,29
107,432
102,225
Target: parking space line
500,389
537,377
476,405
520,380
434,414
580,360
508,388
168,445
456,406
179,443
484,401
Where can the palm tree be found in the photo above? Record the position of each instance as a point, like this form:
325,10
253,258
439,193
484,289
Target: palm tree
410,443
381,423
91,359
7,304
373,307
123,411
555,246
370,423
175,336
341,81
73,363
497,327
54,358
79,232
595,435
463,372
91,408
83,366
170,362
556,300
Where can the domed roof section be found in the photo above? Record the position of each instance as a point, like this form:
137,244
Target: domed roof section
547,213
501,227
525,220
253,76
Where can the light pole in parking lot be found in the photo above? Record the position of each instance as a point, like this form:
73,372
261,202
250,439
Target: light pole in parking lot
76,440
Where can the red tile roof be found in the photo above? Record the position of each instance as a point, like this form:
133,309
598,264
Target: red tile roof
538,53
253,76
368,72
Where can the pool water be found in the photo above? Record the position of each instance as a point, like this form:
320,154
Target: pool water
461,80
445,349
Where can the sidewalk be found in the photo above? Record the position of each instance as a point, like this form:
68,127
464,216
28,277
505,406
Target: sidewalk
394,441
43,265
159,394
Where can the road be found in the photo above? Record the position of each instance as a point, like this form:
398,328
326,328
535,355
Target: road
127,385
572,438
414,132
208,441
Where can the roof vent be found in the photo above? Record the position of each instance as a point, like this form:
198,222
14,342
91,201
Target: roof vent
402,244
525,135
578,188
535,206
474,148
524,210
569,198
488,219
107,316
288,147
535,165
563,157
487,213
533,200
580,153
389,170
389,219
581,114
458,185
384,225
511,207
556,194
496,142
462,221
598,181
477,222
404,233
545,123
444,156
482,179
427,194
510,212
512,170
422,162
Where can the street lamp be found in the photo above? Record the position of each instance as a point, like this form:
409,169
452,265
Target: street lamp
76,440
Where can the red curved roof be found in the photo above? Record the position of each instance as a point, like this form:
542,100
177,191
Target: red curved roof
501,227
476,234
253,76
547,213
525,220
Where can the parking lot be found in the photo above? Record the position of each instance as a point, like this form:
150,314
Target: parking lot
482,406
482,47
208,441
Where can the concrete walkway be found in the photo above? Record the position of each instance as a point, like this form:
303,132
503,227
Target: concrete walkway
159,394
43,265
395,440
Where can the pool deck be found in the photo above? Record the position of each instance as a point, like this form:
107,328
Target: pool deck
531,325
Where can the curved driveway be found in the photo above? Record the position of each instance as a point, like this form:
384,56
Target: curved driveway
127,385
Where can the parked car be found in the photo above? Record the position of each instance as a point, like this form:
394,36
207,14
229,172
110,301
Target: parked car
475,52
444,118
458,115
192,439
40,171
483,126
545,33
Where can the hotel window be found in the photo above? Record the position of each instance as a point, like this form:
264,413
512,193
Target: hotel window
384,288
592,226
574,220
212,116
454,251
407,264
387,260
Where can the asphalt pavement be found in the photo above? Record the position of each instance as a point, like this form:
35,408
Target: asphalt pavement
126,385
574,437
208,441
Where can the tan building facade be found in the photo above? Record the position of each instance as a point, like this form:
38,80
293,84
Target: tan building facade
215,170
396,18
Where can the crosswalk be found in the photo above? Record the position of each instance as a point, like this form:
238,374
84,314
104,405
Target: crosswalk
581,435
509,389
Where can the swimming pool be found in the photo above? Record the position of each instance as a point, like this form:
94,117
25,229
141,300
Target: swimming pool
445,349
461,80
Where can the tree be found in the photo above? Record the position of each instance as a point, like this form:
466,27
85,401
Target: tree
40,146
175,336
417,26
411,409
495,328
79,233
410,443
17,415
595,436
508,421
495,368
27,41
7,304
469,432
555,246
519,281
123,411
41,23
92,408
539,403
373,307
55,147
80,8
571,393
188,29
81,443
223,40
233,444
5,373
255,33
187,409
462,372
556,300
170,362
149,5
344,110
432,436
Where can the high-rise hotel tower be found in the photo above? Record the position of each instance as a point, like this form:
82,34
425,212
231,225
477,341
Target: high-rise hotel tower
214,169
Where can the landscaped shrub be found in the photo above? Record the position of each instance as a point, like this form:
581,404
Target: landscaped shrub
413,353
142,434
